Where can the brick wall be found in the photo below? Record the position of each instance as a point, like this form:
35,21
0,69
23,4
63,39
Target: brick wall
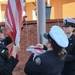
29,37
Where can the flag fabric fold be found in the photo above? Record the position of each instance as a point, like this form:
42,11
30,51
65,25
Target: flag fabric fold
13,19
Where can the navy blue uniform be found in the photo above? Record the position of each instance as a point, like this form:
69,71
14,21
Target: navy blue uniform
6,41
6,65
69,66
48,63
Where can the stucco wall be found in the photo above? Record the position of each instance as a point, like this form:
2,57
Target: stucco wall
60,9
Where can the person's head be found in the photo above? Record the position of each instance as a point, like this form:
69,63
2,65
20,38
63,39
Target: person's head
57,39
69,25
1,33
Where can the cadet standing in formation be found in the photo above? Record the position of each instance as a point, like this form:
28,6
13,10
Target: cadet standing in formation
69,66
52,61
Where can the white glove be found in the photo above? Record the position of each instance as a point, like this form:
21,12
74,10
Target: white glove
15,50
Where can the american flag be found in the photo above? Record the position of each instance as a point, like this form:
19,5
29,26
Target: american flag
14,18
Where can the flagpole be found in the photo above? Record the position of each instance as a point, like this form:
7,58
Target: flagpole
41,20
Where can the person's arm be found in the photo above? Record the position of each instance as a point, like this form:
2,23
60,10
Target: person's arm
34,67
7,40
7,68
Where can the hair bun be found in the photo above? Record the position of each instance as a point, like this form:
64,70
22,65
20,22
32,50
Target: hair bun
62,52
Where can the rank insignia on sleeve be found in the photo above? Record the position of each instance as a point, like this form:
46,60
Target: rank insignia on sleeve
37,60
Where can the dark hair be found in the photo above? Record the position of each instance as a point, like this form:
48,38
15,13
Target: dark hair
74,30
57,49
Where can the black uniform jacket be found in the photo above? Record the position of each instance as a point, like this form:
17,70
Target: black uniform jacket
47,63
6,41
70,58
6,65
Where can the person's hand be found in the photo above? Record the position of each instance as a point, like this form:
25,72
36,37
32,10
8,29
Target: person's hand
15,50
39,46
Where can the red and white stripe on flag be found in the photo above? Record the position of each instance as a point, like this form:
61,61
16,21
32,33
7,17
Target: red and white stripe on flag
13,19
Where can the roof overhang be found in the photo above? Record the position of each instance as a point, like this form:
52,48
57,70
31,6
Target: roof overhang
5,1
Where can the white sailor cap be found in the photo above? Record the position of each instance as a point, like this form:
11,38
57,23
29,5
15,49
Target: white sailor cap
69,22
58,35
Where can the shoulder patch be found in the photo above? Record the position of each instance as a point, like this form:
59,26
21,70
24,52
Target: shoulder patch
38,60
